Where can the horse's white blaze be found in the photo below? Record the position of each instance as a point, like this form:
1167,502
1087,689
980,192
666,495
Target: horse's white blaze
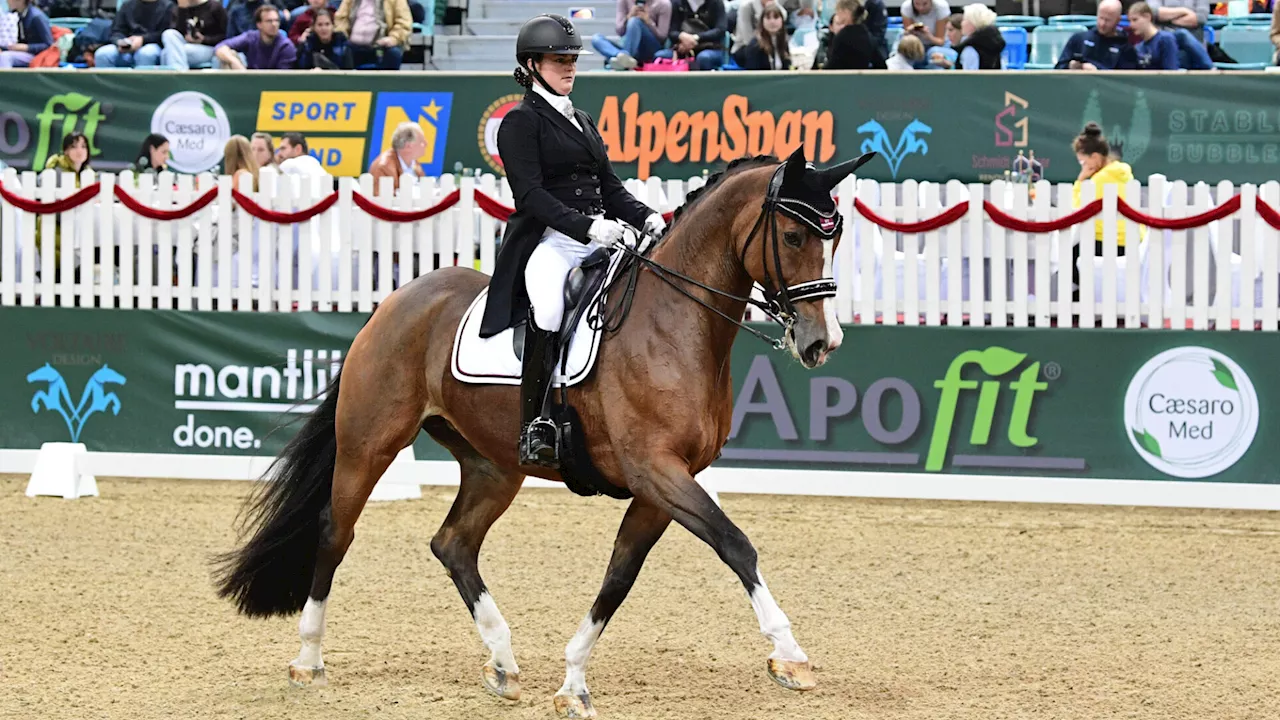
835,333
576,654
311,629
775,625
495,633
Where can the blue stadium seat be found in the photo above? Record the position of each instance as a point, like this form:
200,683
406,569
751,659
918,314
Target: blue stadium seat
1015,47
1021,21
1087,20
1047,43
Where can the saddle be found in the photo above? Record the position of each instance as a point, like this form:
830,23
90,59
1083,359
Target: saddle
583,282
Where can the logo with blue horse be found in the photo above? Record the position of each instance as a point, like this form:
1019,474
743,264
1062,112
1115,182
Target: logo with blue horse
909,142
57,396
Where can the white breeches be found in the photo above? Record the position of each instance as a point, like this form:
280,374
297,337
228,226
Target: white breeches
546,272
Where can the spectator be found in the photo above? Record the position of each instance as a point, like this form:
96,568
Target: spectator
954,37
910,51
324,48
1189,15
198,27
302,21
34,35
1097,163
982,44
153,156
237,161
641,27
241,16
407,145
927,20
1101,48
74,157
850,44
375,27
697,30
135,35
296,159
769,49
1275,31
263,49
1156,49
264,149
876,20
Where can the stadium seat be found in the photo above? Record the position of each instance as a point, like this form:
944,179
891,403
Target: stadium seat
1019,21
1015,47
1250,45
891,37
1087,20
74,24
1047,43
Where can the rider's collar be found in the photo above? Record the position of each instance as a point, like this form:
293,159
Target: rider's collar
561,103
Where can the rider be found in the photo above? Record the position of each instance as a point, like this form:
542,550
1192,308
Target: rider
566,198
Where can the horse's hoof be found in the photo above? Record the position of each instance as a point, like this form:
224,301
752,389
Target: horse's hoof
793,675
306,676
574,706
500,682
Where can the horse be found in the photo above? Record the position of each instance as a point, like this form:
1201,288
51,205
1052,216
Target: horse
656,410
96,397
56,397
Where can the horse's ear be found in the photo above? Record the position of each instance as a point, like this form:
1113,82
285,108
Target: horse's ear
831,177
795,167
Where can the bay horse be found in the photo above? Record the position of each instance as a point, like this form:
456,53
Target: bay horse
656,411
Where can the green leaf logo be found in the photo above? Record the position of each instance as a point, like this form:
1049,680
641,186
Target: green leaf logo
1224,375
1146,440
996,361
208,109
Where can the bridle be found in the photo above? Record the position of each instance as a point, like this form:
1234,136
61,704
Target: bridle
779,298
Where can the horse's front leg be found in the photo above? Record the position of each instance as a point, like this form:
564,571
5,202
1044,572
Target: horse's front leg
641,527
668,485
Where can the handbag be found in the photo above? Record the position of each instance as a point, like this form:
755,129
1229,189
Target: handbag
684,64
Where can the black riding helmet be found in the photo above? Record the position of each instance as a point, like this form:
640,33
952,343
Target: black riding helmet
546,35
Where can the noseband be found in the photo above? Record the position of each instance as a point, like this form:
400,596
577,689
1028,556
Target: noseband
779,305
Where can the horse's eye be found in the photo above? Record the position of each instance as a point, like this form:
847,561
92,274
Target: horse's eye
792,238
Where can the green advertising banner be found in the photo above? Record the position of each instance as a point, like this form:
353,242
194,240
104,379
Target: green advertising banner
1119,404
927,126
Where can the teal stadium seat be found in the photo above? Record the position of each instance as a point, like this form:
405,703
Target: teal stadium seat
1087,20
1250,45
1022,21
1047,43
891,37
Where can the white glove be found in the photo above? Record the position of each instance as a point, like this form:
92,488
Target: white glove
655,225
606,232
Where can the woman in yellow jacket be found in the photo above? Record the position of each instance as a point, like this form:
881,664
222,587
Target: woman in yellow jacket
1097,164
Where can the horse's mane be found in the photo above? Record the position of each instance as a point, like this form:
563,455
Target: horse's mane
735,166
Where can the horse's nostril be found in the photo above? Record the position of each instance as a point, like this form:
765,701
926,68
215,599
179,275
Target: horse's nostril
815,350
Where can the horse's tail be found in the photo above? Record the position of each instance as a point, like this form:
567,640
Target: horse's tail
271,574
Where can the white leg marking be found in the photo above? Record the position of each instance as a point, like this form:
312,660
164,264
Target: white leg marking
775,625
835,333
576,654
495,633
311,629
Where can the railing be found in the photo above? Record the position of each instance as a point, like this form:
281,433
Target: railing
1220,272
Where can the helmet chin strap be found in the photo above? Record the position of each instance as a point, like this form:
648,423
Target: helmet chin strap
533,70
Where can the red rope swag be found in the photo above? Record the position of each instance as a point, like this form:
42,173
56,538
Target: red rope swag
80,197
151,213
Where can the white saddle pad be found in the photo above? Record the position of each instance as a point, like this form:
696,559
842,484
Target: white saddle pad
493,361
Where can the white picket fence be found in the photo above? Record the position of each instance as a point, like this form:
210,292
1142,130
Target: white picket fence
1222,275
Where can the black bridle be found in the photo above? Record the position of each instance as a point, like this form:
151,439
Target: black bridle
779,298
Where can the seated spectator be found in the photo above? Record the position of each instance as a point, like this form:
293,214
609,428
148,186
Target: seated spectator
982,44
152,157
198,27
241,14
135,35
407,145
323,48
910,51
851,46
74,157
263,49
697,31
237,161
1102,48
642,27
876,21
927,20
1156,49
302,21
375,28
769,49
296,159
1098,164
1189,15
954,36
34,36
264,149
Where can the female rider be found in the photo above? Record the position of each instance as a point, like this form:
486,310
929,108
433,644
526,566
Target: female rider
566,198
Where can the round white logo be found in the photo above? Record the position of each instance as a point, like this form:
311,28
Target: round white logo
197,129
1191,412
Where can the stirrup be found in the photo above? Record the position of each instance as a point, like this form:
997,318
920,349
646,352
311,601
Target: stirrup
539,444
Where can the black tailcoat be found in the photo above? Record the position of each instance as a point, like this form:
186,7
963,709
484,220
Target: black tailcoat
559,176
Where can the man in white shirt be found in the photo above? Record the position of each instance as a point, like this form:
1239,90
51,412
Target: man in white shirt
294,158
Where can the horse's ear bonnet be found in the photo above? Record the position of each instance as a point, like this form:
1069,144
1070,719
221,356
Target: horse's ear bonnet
803,193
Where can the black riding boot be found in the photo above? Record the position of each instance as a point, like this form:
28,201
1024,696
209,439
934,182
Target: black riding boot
537,429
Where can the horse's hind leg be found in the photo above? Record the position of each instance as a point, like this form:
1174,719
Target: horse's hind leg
641,528
667,483
486,491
